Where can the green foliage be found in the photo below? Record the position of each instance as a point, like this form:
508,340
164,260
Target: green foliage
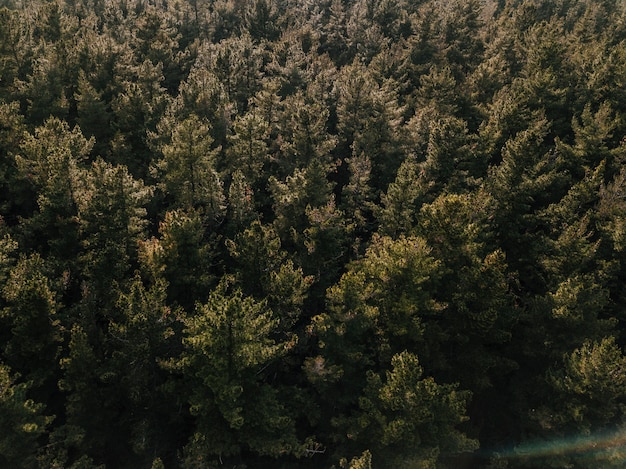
388,293
478,311
248,151
93,118
357,197
401,203
363,462
30,315
84,404
22,422
181,256
241,209
188,168
414,418
264,271
416,209
50,161
111,217
14,199
306,140
228,351
138,104
142,339
368,118
13,52
593,373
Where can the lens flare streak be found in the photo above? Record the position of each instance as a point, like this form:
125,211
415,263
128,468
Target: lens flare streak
606,445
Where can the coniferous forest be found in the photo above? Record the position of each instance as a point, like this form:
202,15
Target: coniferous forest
312,234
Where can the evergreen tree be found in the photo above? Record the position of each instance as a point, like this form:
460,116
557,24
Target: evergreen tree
50,161
400,205
241,207
228,357
410,420
238,64
380,307
138,343
22,422
248,150
93,117
265,271
14,52
203,94
34,328
139,103
368,119
416,208
183,256
187,169
357,198
15,199
90,424
111,217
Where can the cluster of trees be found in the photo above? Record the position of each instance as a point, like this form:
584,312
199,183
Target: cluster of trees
330,233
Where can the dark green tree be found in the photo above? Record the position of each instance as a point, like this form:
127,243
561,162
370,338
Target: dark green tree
357,199
93,115
138,343
399,206
248,151
111,214
22,422
31,343
383,305
50,162
368,121
138,105
14,51
187,170
264,271
408,419
15,198
90,424
228,358
184,255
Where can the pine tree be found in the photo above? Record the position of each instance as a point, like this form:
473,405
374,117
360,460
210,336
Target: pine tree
111,214
183,255
138,343
410,420
14,52
22,422
90,424
368,120
241,207
93,117
238,64
357,198
138,105
305,140
227,359
203,95
400,205
248,150
264,271
187,170
50,160
382,305
30,315
15,199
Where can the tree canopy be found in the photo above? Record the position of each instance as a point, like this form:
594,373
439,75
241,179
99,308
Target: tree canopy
319,234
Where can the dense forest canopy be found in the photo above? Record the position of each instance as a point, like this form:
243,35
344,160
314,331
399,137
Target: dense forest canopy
312,234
